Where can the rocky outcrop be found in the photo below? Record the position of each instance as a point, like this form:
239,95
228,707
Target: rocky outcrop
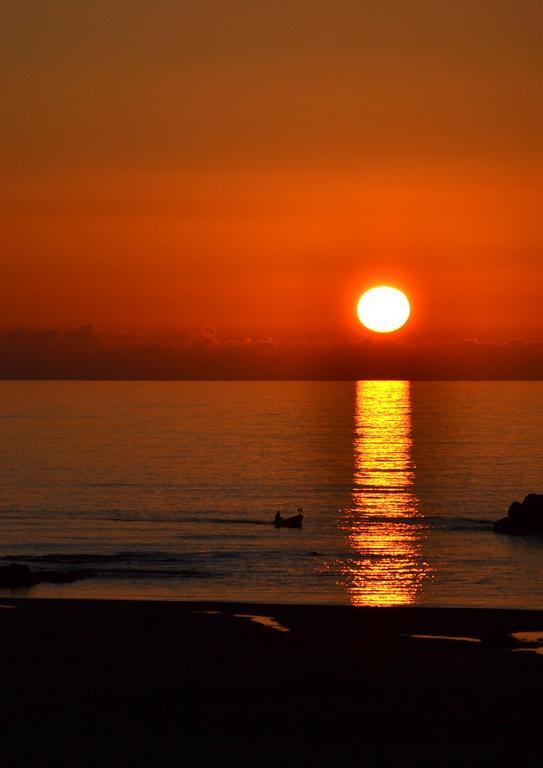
523,518
16,575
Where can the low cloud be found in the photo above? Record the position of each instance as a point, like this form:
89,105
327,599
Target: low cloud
83,353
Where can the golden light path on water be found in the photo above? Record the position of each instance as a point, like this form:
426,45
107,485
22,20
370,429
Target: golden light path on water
386,567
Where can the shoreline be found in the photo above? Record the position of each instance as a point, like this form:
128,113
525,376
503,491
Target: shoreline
186,605
106,682
129,592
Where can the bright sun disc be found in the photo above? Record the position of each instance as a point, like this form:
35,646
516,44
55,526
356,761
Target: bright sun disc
383,309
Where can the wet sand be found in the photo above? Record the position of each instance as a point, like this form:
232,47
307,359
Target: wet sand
107,683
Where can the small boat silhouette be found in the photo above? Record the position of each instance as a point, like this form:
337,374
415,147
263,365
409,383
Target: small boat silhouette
295,521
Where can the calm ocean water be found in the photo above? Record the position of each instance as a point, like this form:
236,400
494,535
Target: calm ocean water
168,489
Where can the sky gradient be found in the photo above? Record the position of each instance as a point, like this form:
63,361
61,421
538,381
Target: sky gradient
253,167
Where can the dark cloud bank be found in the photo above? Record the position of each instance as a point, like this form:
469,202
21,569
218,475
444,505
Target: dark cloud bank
85,354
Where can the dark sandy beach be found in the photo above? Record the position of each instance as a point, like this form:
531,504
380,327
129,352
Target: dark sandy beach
106,683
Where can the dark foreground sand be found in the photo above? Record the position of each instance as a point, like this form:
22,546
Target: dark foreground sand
104,683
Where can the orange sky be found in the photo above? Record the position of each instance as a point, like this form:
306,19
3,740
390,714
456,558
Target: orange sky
255,166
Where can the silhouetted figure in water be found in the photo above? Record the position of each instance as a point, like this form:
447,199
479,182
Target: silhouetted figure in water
277,519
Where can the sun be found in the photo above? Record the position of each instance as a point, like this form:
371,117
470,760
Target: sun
383,309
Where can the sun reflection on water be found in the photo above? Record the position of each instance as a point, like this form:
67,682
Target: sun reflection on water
383,525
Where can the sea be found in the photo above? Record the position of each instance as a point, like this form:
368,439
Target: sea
168,490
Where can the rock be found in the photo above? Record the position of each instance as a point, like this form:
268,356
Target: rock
503,525
533,501
16,575
515,510
525,518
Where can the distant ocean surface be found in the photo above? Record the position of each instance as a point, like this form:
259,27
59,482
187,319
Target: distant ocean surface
167,490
